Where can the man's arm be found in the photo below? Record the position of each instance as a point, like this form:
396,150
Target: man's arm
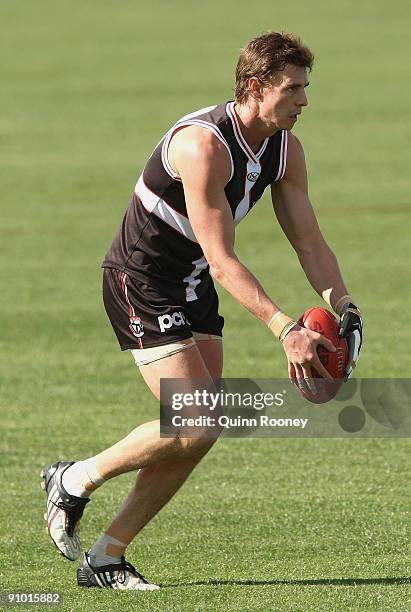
204,167
203,164
295,214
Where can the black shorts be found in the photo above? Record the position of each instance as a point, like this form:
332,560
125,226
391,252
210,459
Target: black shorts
144,316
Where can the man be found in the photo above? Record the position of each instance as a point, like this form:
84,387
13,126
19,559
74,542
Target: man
178,232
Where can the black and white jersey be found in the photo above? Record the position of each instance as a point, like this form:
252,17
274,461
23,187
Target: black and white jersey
155,239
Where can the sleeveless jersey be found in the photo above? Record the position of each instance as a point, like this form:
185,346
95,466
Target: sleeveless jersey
155,240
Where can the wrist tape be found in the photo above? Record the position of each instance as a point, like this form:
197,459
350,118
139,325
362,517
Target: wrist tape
339,304
280,324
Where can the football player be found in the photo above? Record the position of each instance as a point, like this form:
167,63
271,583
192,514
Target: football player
208,171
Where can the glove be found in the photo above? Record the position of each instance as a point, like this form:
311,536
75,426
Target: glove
351,329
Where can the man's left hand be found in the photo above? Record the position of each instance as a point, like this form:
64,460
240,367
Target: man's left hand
351,329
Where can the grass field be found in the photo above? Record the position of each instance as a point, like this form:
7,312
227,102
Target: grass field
87,91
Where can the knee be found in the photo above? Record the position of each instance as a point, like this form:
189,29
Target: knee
196,448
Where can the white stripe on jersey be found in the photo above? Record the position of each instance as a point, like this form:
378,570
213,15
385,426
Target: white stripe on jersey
254,157
283,156
285,153
175,219
154,204
148,197
244,206
164,156
200,264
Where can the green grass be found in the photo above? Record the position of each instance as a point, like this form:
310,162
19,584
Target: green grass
87,91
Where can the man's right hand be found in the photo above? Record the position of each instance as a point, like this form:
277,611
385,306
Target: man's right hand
300,346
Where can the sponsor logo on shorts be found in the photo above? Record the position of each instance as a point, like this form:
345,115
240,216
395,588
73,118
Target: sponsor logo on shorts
253,176
172,320
136,327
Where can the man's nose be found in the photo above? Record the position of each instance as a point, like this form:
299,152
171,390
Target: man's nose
303,100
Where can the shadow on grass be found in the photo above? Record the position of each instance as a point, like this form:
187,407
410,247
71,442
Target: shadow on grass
308,582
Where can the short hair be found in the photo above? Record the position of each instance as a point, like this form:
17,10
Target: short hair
266,55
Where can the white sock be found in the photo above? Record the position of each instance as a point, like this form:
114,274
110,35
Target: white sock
78,474
97,552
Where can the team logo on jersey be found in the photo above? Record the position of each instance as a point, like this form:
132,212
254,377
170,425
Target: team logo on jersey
253,176
136,327
174,320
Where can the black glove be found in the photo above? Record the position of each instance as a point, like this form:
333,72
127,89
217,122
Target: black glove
351,329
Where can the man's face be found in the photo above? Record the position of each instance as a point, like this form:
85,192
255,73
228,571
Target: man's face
282,101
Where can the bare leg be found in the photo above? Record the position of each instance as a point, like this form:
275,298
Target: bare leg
143,446
154,487
156,484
